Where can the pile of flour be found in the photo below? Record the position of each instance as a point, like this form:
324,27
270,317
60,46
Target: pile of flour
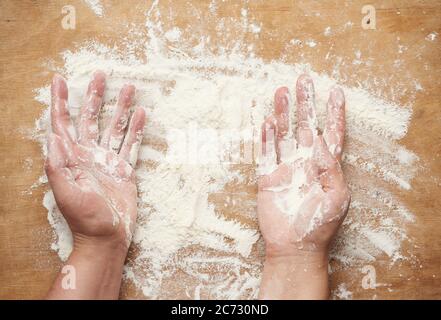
197,221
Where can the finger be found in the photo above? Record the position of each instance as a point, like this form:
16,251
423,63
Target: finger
59,176
330,174
284,143
60,118
334,132
114,134
56,155
88,124
281,111
333,183
306,117
133,139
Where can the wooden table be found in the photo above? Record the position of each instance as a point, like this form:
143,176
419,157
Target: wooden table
31,33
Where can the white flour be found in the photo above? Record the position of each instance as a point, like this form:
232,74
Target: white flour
184,227
343,293
95,6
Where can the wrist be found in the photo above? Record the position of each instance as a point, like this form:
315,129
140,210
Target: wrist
96,267
100,247
298,257
299,275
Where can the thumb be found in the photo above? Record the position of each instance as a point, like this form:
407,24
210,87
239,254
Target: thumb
56,157
59,176
330,173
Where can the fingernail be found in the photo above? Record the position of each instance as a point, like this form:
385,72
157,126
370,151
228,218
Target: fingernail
98,83
99,74
139,116
337,97
126,94
304,88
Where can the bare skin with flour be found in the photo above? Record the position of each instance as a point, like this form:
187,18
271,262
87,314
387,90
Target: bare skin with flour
303,196
94,186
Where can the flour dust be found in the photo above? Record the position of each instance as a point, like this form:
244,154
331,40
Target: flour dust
197,221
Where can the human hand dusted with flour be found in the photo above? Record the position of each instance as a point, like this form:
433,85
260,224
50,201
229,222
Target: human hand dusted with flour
303,196
93,182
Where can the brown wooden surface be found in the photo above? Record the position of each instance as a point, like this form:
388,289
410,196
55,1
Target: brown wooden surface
31,33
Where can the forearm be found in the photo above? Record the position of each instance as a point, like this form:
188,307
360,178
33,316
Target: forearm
89,273
300,276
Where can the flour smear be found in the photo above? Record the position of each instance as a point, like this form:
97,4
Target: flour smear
197,221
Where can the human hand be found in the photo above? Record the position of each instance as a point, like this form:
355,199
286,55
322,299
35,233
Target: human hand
302,197
94,182
94,186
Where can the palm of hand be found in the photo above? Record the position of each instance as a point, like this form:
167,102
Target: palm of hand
304,198
105,202
94,184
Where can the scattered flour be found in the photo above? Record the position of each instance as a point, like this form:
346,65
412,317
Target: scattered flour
295,42
95,6
311,43
432,36
254,28
183,227
343,293
173,35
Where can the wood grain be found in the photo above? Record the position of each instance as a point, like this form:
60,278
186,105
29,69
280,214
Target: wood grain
31,34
